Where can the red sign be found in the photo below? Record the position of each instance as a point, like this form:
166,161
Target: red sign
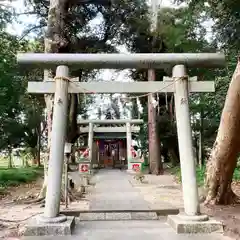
83,167
136,167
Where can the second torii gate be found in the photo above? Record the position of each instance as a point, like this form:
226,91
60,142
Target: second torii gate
128,129
178,84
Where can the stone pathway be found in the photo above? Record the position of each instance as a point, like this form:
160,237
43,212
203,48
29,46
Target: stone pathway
116,192
113,191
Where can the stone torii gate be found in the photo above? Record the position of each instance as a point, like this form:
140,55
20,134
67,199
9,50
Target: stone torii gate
179,85
128,129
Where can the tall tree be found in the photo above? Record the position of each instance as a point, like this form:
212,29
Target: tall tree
222,162
11,89
155,161
223,159
69,30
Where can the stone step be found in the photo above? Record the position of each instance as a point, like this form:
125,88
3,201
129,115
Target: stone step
97,215
118,216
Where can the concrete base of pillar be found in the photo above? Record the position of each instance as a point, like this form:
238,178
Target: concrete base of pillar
181,224
39,227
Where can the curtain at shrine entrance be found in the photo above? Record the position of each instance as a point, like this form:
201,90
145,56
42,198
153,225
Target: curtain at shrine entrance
112,152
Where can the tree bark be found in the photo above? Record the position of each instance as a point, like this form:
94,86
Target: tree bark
72,129
55,41
10,165
223,159
39,149
200,141
155,162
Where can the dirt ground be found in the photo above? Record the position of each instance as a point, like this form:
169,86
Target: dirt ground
229,215
14,214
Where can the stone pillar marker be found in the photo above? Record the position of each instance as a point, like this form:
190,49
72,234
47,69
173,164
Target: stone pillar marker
56,158
129,144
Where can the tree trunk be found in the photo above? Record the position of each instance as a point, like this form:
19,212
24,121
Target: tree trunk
43,190
39,149
10,165
33,151
155,162
72,129
200,141
223,159
55,41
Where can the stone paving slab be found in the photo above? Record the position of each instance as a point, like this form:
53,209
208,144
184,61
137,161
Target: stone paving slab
144,216
116,216
92,216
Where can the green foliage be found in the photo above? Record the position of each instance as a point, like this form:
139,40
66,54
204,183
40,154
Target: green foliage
200,174
11,88
16,176
225,15
20,113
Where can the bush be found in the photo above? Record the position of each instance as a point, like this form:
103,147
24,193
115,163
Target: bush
16,176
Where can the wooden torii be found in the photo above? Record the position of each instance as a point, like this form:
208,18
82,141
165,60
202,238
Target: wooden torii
179,84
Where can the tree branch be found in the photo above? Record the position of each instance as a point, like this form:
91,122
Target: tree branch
30,30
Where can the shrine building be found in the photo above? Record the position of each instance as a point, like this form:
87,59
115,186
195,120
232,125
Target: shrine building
110,142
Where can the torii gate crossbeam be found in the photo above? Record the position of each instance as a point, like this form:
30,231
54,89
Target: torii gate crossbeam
120,61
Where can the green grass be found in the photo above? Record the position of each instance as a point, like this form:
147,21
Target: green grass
200,174
16,176
236,174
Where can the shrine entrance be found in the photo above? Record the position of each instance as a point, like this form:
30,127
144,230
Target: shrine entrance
111,145
109,153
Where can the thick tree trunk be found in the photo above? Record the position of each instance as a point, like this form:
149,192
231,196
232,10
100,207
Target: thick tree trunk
155,162
55,41
72,129
223,158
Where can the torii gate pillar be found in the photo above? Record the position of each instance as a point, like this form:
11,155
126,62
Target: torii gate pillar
129,143
56,157
90,141
188,169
